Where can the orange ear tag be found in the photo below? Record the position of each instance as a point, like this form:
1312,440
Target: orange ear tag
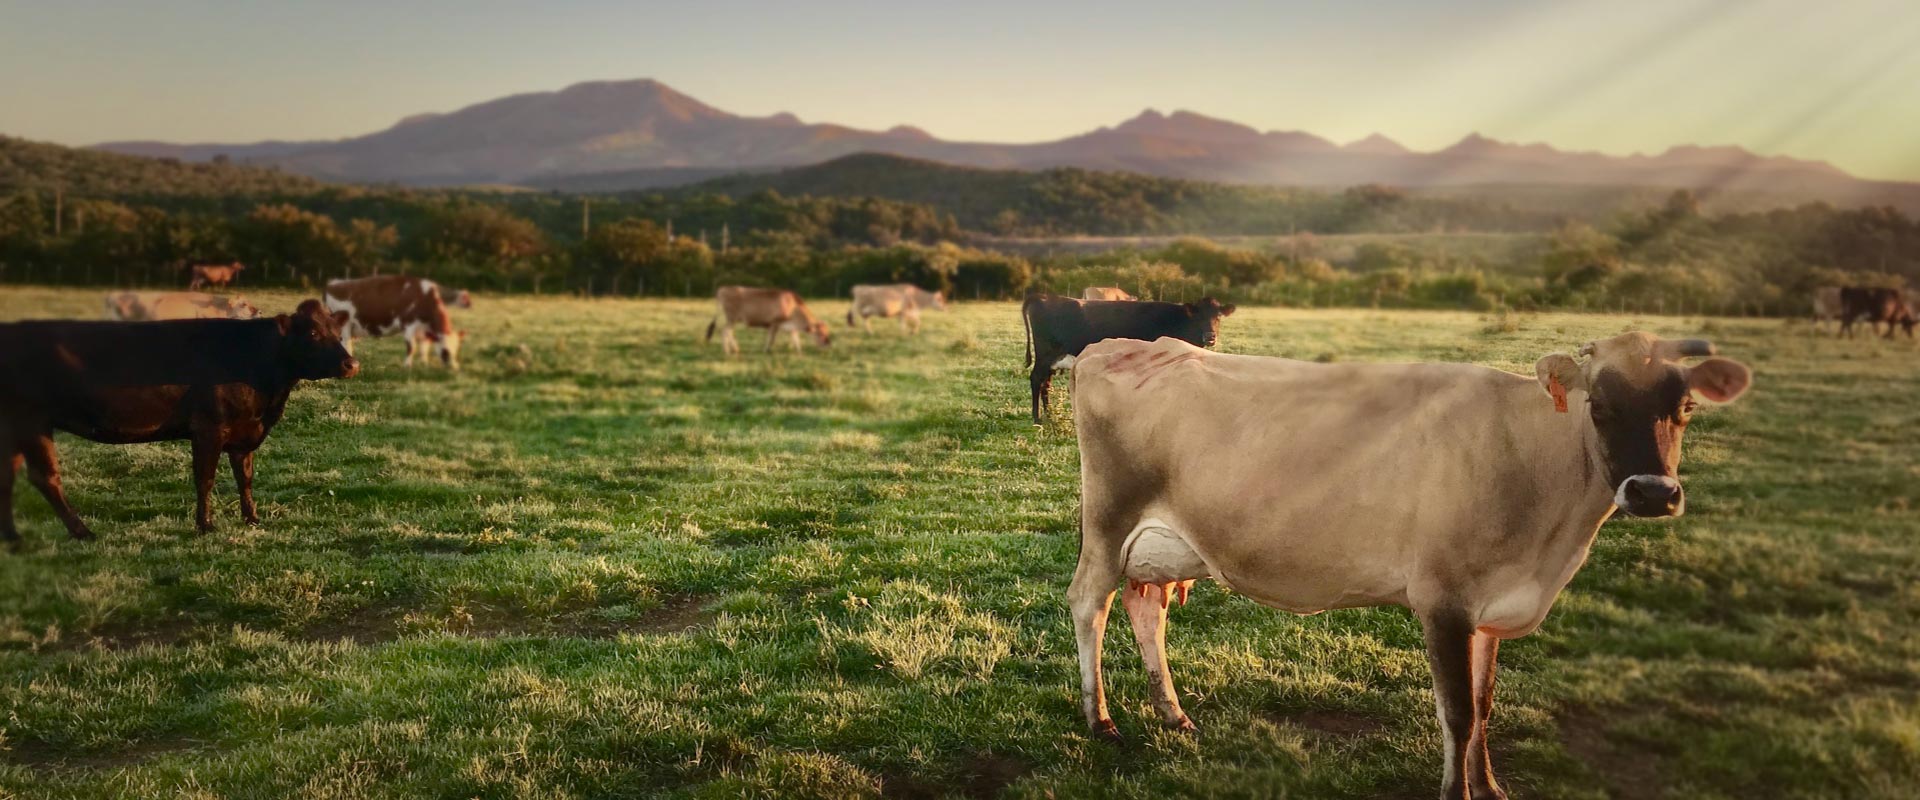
1559,393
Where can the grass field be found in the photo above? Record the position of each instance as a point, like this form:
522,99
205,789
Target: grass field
603,561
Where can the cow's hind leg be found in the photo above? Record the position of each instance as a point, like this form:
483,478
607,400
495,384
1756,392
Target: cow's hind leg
1146,605
206,463
1041,380
43,471
1091,597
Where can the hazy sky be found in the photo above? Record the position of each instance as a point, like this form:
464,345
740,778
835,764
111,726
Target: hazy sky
1837,80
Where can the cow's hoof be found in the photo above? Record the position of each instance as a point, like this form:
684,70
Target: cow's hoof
1185,725
252,519
1106,731
82,535
1489,793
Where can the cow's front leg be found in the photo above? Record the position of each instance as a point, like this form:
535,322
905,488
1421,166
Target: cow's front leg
773,331
1480,780
1451,651
242,464
206,462
9,467
410,348
1146,605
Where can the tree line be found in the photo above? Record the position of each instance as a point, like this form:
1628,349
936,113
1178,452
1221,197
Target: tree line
141,220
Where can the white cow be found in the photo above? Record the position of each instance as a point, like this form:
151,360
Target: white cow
1467,494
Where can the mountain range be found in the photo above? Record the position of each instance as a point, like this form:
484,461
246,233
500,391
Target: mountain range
623,135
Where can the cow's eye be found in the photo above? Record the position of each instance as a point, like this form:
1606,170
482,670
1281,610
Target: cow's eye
1601,411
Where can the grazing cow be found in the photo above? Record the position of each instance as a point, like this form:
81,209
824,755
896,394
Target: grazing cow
903,300
1875,305
460,299
223,384
387,304
1058,328
777,310
156,306
1826,305
1466,494
1106,293
214,275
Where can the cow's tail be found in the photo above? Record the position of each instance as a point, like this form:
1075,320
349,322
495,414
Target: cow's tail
850,318
714,323
1026,322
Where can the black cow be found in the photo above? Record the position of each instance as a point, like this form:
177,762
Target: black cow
1875,305
1058,328
221,383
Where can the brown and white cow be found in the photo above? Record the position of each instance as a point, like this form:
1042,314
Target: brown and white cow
1106,293
384,305
156,306
1058,328
777,310
214,275
1466,494
902,300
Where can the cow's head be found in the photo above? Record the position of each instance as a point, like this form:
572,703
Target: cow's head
1203,321
447,346
937,300
310,343
820,334
1639,399
462,300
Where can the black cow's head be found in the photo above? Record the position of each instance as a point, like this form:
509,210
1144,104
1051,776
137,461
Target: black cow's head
310,343
1639,400
1203,321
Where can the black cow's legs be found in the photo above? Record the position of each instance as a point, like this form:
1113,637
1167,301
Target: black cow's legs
43,471
243,482
1042,382
206,461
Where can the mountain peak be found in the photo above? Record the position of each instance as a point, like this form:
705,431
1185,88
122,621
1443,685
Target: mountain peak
1377,144
1186,125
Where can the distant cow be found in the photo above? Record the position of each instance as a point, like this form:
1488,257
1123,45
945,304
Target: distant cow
777,310
1058,328
1106,293
384,305
214,275
1826,305
1468,495
223,384
1875,305
903,300
460,299
156,306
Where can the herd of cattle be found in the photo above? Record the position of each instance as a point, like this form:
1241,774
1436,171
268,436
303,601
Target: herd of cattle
1467,494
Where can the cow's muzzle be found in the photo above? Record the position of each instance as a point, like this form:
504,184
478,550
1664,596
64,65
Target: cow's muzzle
1651,496
349,367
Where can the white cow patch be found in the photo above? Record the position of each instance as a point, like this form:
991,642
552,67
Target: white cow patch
1064,362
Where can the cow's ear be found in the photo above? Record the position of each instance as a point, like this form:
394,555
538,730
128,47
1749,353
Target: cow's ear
1721,380
1227,310
1559,374
340,319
